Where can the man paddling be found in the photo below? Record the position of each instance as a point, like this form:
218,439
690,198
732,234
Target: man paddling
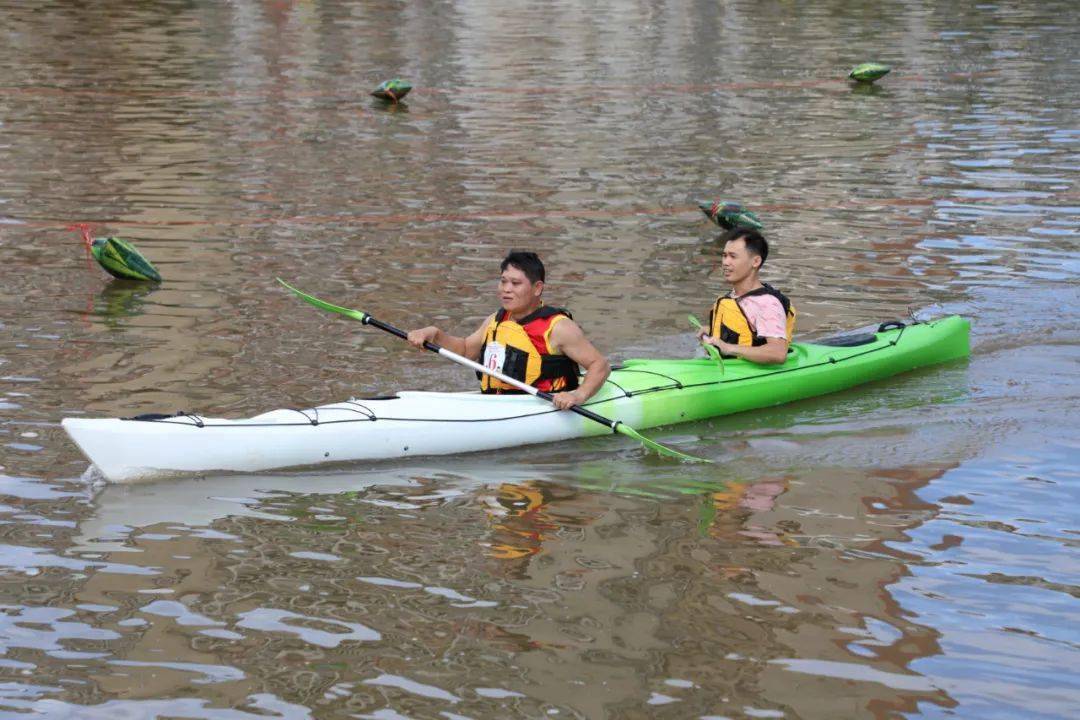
753,321
528,340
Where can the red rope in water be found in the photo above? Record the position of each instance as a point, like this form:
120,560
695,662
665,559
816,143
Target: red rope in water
88,241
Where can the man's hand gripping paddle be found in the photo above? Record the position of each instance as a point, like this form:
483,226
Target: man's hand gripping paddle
710,349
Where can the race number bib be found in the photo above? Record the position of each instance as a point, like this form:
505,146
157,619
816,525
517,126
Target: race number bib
494,356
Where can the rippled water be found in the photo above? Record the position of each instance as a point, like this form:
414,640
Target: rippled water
903,549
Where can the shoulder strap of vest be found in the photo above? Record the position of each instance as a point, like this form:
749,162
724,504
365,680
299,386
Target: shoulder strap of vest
544,311
767,289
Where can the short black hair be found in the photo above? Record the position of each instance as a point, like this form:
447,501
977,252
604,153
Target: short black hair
527,262
756,244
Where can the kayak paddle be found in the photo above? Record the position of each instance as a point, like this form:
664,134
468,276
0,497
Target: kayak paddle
615,425
710,349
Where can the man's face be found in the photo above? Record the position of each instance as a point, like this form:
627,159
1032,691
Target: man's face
516,293
738,263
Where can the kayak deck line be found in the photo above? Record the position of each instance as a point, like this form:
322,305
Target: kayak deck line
198,422
831,360
370,416
640,393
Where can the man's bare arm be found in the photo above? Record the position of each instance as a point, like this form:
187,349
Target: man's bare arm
773,352
568,339
470,346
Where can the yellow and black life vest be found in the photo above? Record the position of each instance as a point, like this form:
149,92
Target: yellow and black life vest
522,350
729,323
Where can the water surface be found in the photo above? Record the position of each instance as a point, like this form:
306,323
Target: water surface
907,548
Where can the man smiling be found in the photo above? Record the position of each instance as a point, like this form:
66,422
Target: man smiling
528,340
754,321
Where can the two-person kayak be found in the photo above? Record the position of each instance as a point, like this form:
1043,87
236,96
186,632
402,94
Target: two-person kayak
640,393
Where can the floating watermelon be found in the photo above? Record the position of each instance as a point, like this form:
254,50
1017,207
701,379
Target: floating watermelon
730,215
392,90
869,72
119,258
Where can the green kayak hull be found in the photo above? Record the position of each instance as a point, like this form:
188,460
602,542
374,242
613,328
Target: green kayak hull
674,391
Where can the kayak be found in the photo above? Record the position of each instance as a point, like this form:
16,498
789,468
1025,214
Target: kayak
642,393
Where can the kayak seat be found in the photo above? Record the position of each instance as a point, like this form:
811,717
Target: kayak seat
852,340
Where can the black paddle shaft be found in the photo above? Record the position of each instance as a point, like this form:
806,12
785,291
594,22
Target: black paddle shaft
368,320
387,327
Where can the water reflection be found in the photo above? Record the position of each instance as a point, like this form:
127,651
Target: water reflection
401,107
865,89
121,299
573,578
350,593
868,554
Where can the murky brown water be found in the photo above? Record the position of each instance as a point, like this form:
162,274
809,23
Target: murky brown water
908,548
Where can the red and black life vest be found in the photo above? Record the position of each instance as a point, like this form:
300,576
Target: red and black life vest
522,350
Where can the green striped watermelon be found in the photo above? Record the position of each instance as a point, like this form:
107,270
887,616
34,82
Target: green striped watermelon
730,215
869,72
392,90
121,259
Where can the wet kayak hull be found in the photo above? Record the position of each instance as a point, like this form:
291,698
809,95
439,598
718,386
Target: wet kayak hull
640,393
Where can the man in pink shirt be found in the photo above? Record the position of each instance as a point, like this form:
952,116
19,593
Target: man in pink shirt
754,321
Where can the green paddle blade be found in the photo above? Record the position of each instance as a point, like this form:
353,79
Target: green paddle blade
706,514
323,305
869,72
120,259
657,447
710,350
